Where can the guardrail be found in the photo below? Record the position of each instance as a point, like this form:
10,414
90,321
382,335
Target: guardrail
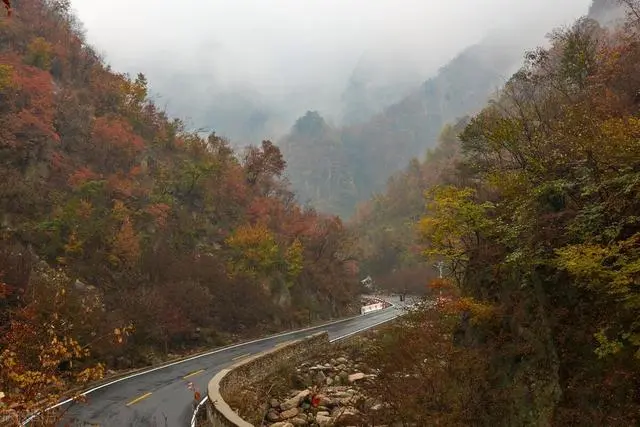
371,307
380,304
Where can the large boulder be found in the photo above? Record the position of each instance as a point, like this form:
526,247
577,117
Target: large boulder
294,401
324,420
289,413
298,421
355,377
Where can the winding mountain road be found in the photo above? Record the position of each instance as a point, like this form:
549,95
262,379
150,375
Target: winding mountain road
161,397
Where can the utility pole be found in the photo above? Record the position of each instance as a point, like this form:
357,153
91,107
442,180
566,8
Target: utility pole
440,266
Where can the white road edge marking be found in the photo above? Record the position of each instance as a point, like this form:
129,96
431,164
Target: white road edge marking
363,329
195,411
284,334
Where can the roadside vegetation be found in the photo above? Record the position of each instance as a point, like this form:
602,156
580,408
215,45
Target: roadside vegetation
537,322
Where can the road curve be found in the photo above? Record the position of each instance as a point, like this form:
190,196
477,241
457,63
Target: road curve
161,397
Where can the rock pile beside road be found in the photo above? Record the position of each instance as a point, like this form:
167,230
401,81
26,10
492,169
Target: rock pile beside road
329,393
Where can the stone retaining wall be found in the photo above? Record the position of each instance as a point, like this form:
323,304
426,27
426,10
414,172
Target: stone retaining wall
254,369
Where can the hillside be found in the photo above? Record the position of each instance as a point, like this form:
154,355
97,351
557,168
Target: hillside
373,86
358,159
390,250
124,237
533,210
401,200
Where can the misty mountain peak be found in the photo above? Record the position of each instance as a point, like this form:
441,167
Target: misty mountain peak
607,12
312,123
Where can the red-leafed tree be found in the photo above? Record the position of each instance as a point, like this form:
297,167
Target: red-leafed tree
114,144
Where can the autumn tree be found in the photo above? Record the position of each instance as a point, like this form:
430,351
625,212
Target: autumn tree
48,335
263,165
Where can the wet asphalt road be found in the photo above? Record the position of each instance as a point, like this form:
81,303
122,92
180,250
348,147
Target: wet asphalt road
161,397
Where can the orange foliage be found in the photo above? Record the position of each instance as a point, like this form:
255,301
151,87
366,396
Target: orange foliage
439,284
39,356
81,176
131,202
126,245
135,171
159,212
32,103
121,186
118,134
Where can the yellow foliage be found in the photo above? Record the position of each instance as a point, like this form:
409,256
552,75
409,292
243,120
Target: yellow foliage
73,245
613,270
6,76
135,94
90,374
119,210
480,312
255,251
126,245
39,53
85,209
453,222
38,339
295,259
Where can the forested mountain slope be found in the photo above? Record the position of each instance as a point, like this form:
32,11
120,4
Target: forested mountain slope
401,201
537,223
349,163
373,86
125,237
390,250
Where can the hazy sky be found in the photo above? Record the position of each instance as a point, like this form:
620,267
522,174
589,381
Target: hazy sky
278,46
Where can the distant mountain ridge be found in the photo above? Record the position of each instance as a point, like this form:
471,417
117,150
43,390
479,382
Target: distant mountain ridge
334,168
374,85
606,12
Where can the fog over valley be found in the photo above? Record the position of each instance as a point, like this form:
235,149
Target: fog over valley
248,69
